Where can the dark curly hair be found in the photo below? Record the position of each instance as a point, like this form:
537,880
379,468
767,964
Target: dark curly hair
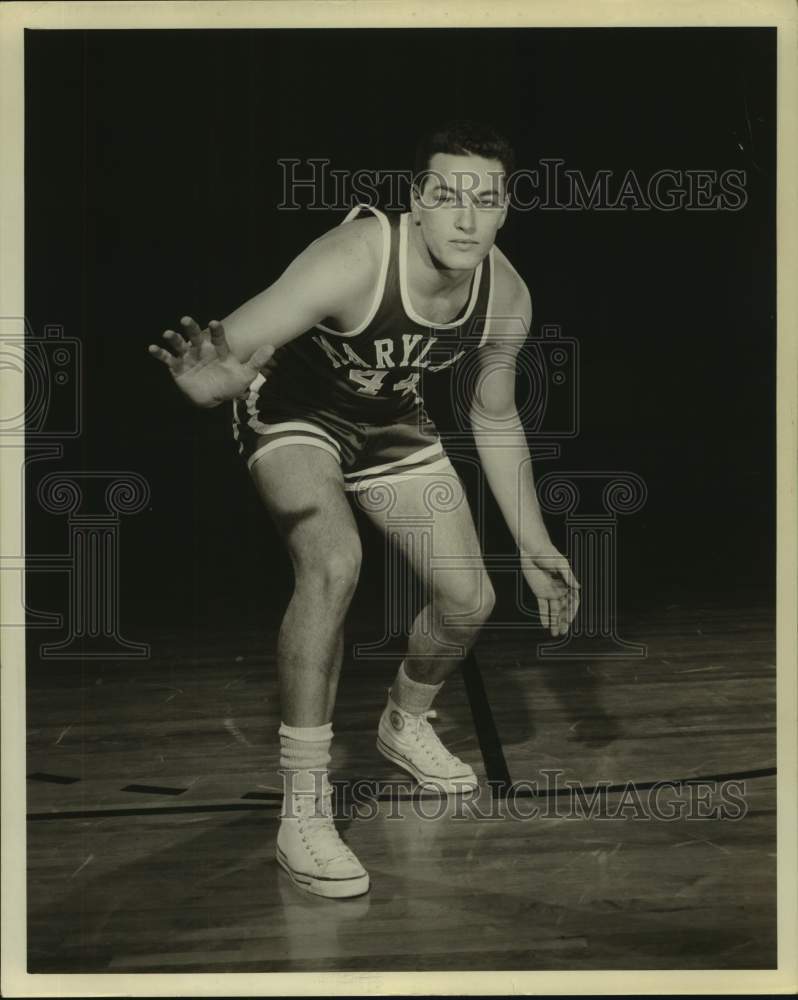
460,138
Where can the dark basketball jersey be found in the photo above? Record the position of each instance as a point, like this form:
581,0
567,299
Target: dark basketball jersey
375,372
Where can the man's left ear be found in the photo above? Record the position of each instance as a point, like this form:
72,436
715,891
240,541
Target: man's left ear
415,203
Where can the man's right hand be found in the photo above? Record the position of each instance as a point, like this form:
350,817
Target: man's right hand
203,366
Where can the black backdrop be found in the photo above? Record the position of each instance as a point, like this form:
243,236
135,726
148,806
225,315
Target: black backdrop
152,187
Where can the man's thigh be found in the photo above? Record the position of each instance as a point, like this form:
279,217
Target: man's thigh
302,488
429,518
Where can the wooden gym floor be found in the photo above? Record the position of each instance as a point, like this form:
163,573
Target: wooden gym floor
153,802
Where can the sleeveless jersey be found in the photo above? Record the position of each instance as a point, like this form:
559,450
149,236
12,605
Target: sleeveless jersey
375,372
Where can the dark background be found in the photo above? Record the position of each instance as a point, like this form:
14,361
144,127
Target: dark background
152,187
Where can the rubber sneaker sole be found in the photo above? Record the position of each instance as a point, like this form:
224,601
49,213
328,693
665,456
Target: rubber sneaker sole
462,785
332,888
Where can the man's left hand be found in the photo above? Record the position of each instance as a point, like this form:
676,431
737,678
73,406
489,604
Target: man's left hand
553,583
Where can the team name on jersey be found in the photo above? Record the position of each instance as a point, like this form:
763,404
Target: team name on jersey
389,353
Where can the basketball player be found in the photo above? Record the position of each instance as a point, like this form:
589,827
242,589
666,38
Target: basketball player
324,371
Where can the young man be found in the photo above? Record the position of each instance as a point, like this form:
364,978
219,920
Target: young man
324,369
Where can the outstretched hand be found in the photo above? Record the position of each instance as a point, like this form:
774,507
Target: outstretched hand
551,580
204,367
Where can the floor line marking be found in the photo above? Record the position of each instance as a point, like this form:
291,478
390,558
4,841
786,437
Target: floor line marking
251,804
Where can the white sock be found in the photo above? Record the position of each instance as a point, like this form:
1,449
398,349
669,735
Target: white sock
304,756
412,696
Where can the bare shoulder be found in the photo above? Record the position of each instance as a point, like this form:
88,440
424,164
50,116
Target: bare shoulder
355,246
337,272
510,292
511,309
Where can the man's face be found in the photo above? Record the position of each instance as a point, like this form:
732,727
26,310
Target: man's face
461,207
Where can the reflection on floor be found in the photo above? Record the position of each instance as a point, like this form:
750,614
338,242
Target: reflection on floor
153,800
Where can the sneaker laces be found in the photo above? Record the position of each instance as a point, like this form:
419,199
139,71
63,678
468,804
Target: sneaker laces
429,741
319,833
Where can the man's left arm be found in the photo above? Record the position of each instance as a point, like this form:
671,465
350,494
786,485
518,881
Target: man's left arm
507,463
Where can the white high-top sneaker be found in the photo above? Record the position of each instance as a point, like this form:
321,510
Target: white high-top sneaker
411,742
311,851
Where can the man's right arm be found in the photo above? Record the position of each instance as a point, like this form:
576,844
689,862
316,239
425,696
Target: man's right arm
337,269
326,280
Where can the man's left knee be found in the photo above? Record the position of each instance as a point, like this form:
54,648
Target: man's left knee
470,598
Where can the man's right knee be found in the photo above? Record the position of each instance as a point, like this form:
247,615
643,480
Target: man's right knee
331,574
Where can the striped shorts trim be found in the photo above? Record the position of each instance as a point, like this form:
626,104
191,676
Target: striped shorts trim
401,475
293,432
422,461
